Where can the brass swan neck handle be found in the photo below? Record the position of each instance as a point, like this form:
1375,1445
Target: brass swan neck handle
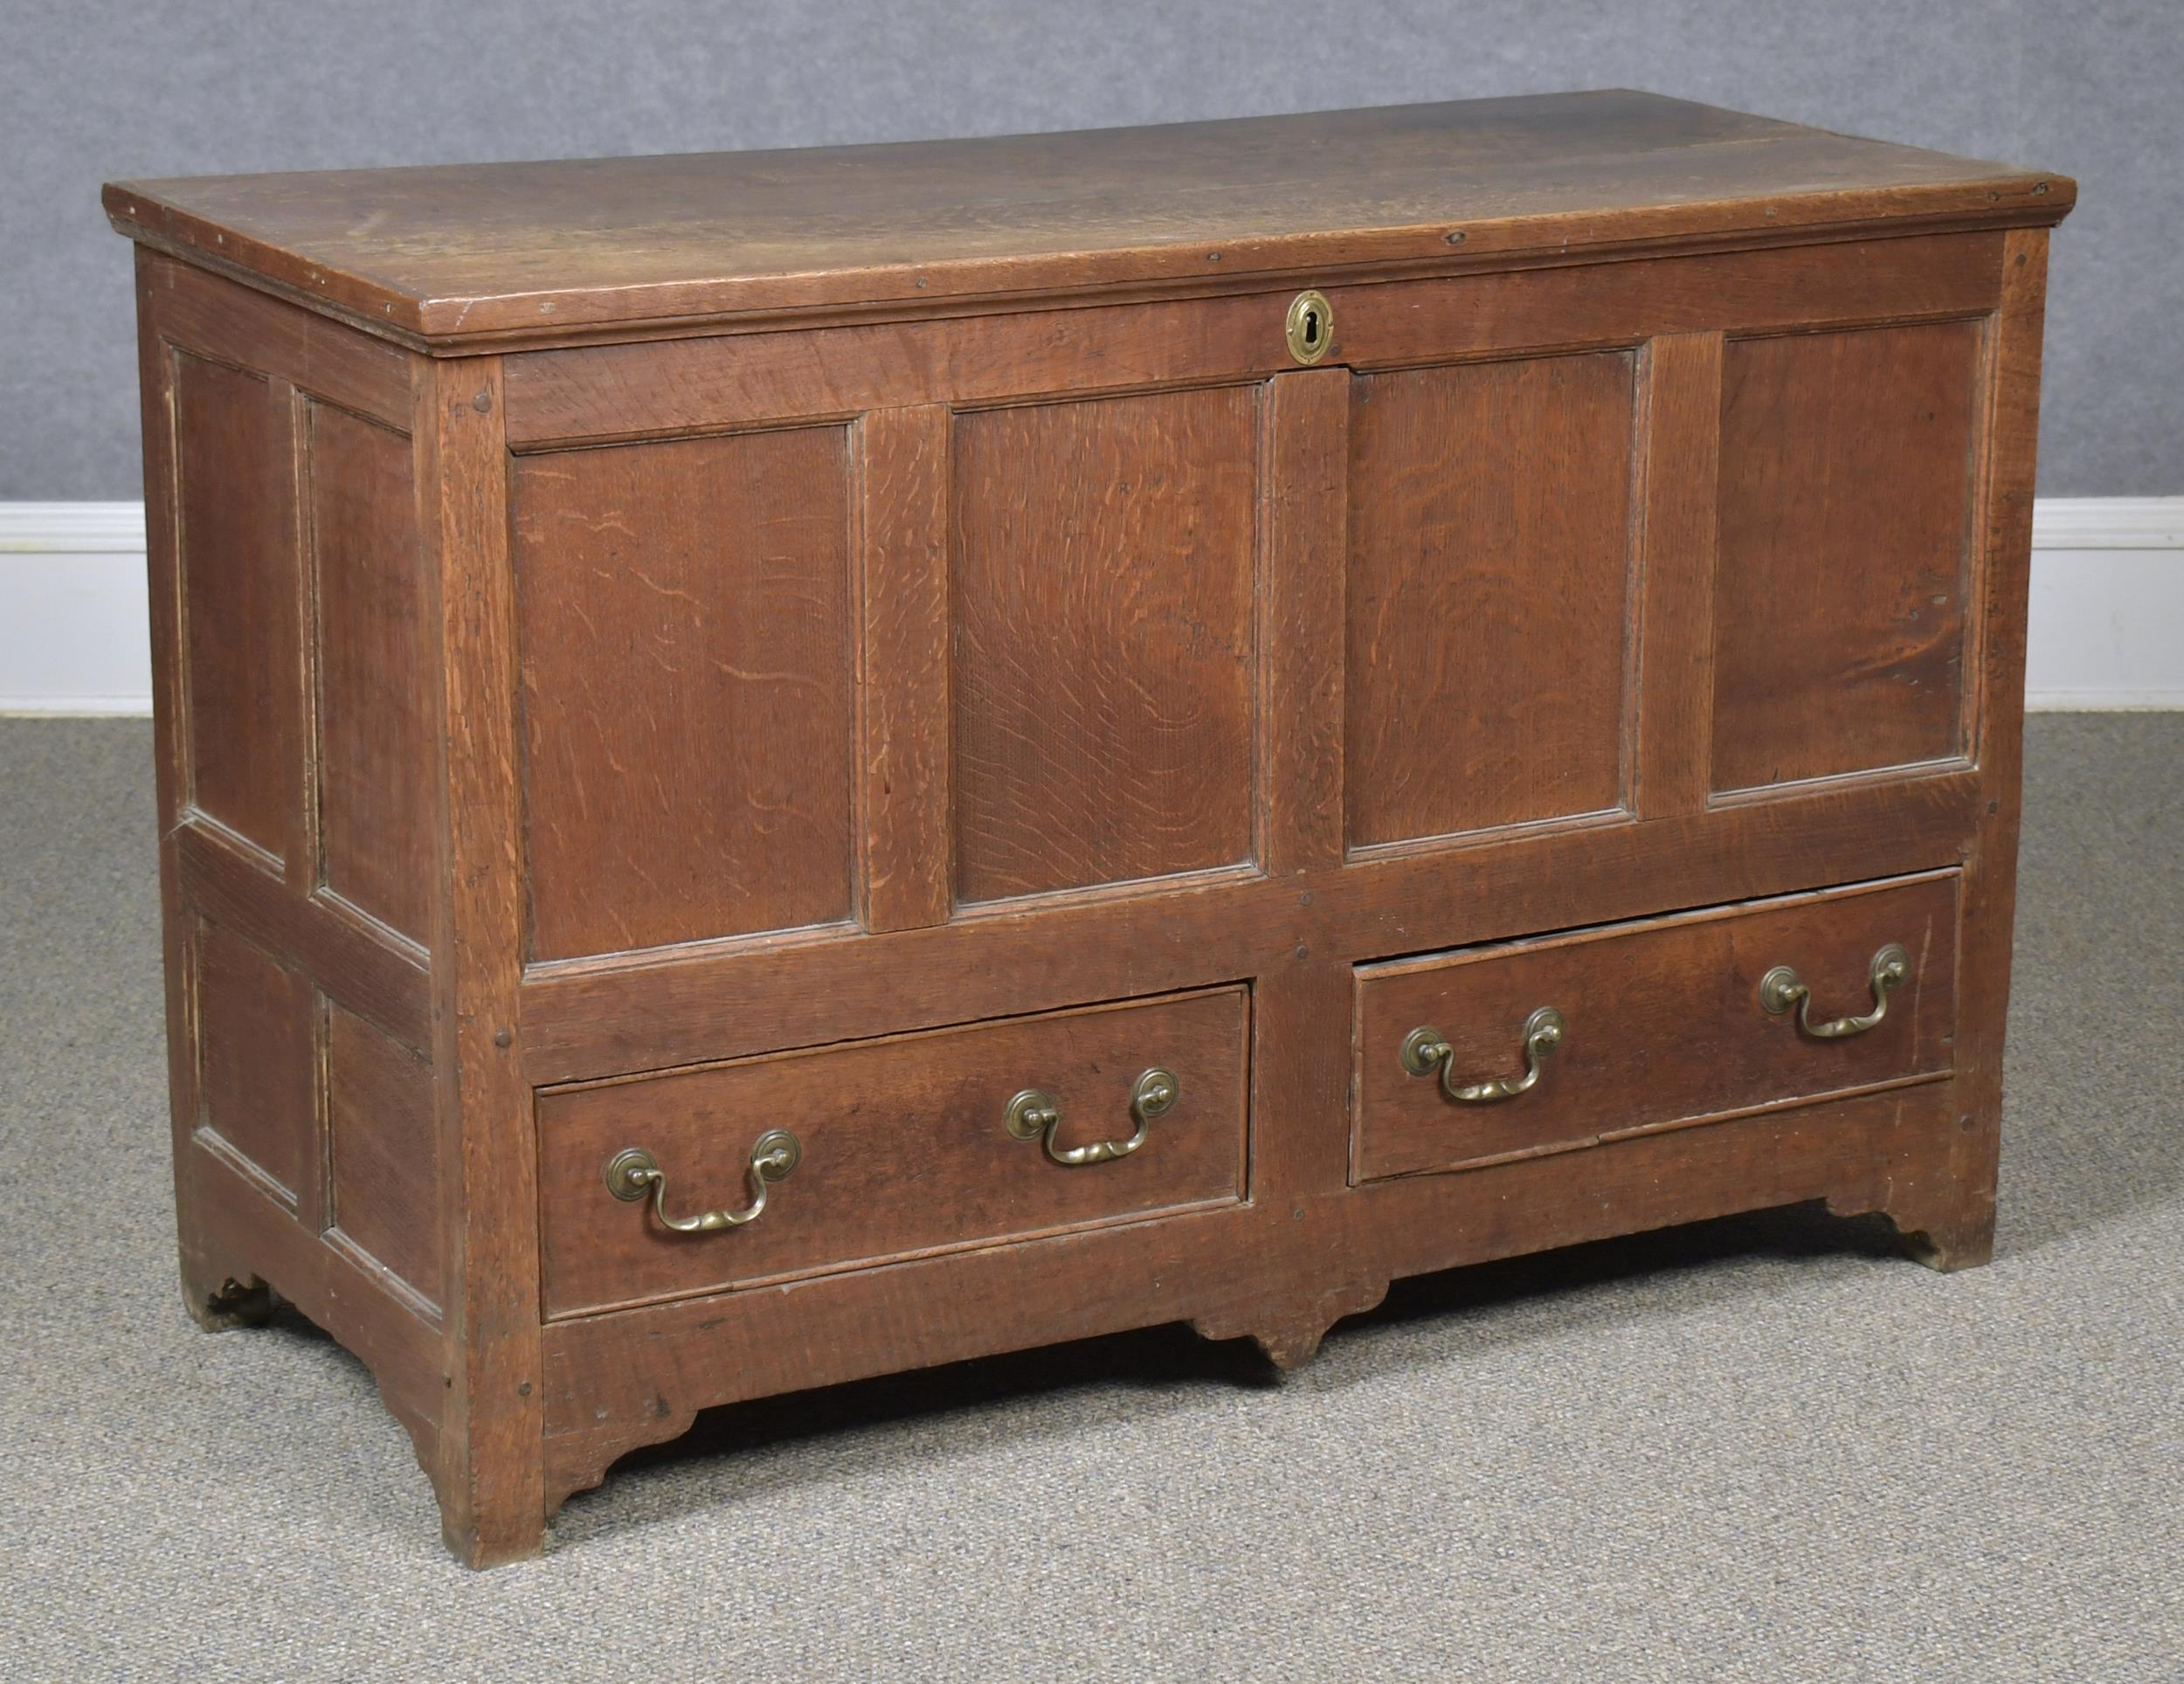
1034,1114
1782,989
1425,1050
632,1173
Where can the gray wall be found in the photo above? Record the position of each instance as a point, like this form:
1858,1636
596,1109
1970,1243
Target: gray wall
161,87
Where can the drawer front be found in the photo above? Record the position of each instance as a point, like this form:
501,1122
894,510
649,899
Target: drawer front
1661,1023
904,1147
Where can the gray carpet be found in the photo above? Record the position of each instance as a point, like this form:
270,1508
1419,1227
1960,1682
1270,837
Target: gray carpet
1759,1449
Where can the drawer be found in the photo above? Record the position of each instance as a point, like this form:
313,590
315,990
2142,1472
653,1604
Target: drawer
1660,1023
903,1146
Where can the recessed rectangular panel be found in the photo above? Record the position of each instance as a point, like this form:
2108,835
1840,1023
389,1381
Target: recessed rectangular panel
1845,517
241,647
376,768
1488,595
257,1062
686,651
386,1150
1103,646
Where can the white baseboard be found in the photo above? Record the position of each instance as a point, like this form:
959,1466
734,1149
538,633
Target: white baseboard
2107,606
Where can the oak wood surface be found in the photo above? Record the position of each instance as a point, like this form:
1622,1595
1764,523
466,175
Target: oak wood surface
903,1149
1490,581
907,874
1665,1024
241,634
487,1474
685,629
374,667
866,689
1103,661
384,1152
471,250
609,1376
1844,528
610,392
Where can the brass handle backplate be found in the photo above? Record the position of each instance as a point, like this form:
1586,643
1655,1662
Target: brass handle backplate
1035,1114
1782,989
1310,328
1425,1050
633,1172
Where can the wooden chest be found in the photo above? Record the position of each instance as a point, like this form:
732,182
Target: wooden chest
777,766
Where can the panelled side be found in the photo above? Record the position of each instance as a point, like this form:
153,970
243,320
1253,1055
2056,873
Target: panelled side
291,661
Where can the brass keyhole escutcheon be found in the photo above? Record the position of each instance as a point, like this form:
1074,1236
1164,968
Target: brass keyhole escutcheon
1311,328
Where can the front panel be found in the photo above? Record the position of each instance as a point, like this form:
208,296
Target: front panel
1102,648
1488,595
683,630
1843,551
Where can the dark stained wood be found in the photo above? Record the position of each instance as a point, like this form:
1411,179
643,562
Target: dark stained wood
1675,690
685,630
374,663
487,1475
904,1153
1490,596
464,252
257,1058
384,1153
1103,659
612,391
1845,526
1304,488
958,649
903,731
242,635
1665,1025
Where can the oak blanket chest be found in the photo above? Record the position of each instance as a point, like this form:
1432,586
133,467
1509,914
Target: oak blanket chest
777,766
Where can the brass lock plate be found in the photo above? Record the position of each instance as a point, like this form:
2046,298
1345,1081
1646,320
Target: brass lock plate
1312,327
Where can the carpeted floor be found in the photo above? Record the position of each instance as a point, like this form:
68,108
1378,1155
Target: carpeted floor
1759,1449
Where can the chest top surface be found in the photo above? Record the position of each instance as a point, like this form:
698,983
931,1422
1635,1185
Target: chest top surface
468,256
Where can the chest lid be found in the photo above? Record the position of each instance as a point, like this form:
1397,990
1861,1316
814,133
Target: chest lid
464,256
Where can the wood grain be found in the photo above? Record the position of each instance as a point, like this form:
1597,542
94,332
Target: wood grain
734,380
487,1474
903,1149
385,1154
1665,1025
242,632
617,1382
1951,1220
1842,558
1676,678
1103,659
687,652
706,1002
374,667
463,252
257,1060
902,688
1489,597
1304,486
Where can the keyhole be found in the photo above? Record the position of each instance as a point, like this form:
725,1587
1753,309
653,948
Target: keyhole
1312,327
